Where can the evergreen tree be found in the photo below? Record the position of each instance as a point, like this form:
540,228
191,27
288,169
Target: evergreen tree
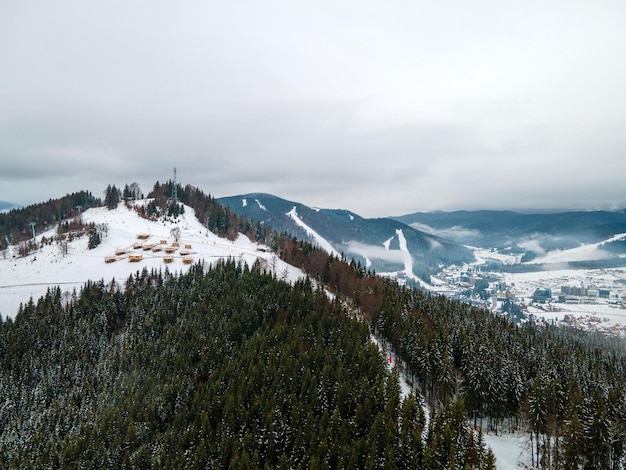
111,196
94,237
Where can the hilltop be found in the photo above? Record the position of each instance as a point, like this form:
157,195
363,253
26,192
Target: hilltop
125,236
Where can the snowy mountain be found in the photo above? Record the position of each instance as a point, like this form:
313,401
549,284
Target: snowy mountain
129,243
384,245
573,237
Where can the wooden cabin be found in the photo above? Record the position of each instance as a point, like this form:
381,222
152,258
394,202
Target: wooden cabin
187,259
168,259
143,236
135,258
110,259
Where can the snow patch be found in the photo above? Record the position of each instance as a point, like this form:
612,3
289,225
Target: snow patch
387,243
508,450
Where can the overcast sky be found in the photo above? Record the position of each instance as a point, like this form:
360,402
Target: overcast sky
380,107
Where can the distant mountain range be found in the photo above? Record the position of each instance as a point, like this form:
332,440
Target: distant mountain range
5,206
531,234
434,239
382,244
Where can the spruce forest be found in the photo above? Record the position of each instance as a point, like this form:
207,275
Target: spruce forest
227,366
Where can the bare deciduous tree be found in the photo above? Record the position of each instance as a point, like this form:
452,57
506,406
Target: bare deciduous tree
175,232
63,246
135,190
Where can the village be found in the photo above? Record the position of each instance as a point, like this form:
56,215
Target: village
590,299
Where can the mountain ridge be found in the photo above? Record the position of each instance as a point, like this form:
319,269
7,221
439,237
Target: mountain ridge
380,244
527,236
533,234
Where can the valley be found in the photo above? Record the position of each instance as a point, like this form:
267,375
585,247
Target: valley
492,259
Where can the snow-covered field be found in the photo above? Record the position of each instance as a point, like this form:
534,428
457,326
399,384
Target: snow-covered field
31,276
483,255
509,450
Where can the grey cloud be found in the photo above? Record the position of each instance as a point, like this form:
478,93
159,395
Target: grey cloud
378,110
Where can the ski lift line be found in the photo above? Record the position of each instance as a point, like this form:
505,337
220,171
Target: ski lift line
43,284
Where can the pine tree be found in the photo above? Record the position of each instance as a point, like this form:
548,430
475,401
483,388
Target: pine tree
572,431
94,238
597,433
111,196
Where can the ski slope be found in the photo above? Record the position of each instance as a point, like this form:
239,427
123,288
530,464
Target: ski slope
318,239
591,251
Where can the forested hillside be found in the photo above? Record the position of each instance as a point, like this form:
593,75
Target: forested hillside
357,237
16,222
565,388
506,229
218,368
216,217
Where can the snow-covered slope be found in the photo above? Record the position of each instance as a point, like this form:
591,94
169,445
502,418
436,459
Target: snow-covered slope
31,276
321,241
586,252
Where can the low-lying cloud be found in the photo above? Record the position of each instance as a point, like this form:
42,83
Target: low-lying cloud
375,252
456,233
532,245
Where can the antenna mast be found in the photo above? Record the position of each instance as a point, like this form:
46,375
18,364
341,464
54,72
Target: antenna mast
175,187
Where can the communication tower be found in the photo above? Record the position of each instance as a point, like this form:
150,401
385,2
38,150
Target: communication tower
175,187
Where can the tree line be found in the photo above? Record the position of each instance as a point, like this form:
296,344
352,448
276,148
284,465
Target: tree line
15,225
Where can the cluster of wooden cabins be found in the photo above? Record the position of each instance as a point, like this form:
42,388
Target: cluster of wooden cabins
144,245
